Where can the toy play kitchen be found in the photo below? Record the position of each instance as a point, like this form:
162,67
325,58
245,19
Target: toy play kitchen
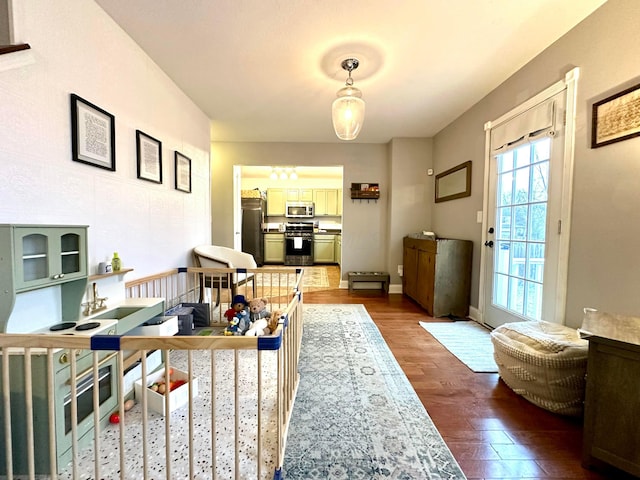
43,280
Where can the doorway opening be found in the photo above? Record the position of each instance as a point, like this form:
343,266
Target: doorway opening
322,186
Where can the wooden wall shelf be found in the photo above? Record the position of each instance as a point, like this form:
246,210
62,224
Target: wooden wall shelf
365,191
110,274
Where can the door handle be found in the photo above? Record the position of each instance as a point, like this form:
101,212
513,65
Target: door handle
489,244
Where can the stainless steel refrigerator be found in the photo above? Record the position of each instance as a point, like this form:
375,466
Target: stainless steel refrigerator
253,213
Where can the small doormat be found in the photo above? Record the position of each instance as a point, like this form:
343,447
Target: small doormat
469,341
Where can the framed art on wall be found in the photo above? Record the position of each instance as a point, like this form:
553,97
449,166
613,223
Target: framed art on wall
616,118
149,153
183,173
93,134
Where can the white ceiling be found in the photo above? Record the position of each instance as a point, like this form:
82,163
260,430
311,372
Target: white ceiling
268,70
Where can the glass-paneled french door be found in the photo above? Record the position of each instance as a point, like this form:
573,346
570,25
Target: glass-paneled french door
527,210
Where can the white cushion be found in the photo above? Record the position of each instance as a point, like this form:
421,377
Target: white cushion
223,257
214,256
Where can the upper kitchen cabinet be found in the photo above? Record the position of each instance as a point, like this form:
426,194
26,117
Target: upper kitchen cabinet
278,197
34,257
326,201
48,255
304,195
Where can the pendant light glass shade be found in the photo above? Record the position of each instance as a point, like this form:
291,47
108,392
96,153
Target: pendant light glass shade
347,111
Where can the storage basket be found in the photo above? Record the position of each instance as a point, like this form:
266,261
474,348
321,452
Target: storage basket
544,362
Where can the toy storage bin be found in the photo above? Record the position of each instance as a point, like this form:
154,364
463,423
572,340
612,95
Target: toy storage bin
160,326
178,397
190,316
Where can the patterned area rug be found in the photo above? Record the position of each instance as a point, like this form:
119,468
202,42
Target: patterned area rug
470,342
314,277
356,415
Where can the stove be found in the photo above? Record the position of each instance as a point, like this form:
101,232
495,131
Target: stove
298,227
298,239
85,328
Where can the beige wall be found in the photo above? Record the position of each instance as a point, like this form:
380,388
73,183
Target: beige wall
604,253
411,194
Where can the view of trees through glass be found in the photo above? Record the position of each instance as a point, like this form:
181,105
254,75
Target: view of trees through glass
521,219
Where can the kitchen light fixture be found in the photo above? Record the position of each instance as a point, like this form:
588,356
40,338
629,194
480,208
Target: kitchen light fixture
347,110
283,173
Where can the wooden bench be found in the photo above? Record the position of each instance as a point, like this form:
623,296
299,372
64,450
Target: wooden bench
382,278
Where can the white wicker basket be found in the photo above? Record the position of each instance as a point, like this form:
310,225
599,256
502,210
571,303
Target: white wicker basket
544,362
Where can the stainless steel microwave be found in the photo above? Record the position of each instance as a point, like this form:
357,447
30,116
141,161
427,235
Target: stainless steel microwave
299,210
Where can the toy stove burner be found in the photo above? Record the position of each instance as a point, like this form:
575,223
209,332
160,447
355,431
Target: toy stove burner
85,328
88,326
62,326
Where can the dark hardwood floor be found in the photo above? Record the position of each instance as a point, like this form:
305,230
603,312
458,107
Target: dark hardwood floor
492,432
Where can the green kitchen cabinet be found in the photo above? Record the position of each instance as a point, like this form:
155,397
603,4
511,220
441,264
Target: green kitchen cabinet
41,256
47,256
338,249
324,248
274,247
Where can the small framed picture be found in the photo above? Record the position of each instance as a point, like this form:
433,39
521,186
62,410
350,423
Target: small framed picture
183,173
93,134
616,118
149,152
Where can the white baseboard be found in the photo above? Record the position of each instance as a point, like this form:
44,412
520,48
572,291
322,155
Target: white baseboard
475,314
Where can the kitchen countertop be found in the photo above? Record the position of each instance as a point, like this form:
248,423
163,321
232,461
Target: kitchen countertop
155,305
318,232
327,228
610,326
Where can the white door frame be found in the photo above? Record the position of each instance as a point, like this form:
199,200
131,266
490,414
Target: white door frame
237,207
570,84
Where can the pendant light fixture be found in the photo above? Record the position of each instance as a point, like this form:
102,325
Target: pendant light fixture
347,110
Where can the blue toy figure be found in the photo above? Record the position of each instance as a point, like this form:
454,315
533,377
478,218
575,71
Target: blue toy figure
237,316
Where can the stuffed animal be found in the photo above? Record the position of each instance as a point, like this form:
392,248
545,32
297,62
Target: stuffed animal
258,309
238,316
275,318
260,318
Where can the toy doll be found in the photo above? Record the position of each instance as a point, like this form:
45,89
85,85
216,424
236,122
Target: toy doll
237,316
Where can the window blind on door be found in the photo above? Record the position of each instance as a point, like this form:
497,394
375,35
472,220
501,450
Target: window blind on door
536,121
